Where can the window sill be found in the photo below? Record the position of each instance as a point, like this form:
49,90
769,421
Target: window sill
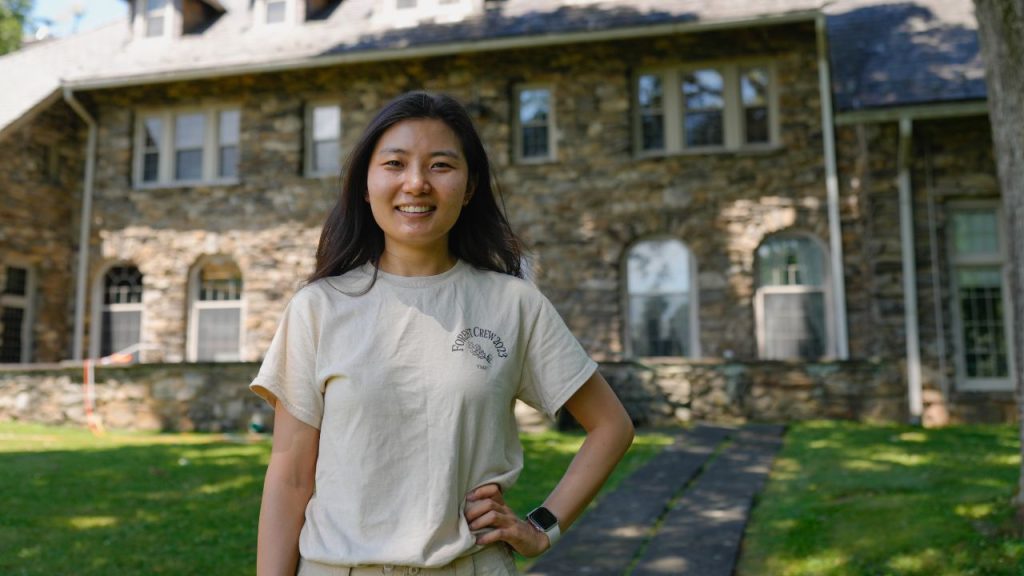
539,161
321,175
187,184
751,150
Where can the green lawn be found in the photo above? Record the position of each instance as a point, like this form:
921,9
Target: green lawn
172,504
847,499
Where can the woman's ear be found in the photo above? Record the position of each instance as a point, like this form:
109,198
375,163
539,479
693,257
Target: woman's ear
470,189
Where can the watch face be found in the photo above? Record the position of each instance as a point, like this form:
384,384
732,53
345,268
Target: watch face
543,518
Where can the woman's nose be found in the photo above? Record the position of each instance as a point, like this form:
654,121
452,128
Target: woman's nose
415,181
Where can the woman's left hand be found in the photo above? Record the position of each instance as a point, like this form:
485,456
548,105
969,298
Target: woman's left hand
486,508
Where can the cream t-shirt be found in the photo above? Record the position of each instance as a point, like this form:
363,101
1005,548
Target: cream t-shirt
412,386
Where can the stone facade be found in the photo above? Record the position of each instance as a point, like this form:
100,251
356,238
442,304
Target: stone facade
41,169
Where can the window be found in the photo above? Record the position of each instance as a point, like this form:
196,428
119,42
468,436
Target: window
791,300
187,147
535,134
719,107
983,334
276,11
323,140
121,322
215,330
661,303
16,315
155,18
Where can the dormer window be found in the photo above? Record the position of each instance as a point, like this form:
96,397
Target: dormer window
273,12
156,17
406,13
276,11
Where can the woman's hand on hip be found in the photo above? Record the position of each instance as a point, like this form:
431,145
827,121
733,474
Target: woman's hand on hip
486,508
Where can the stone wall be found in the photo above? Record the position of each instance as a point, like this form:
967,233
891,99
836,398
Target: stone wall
41,174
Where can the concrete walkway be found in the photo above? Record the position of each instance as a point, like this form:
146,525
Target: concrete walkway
683,512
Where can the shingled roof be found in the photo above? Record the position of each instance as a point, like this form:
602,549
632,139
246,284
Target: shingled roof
887,54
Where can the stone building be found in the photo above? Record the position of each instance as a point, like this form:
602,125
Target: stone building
765,210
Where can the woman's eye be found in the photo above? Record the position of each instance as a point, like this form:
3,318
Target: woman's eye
393,164
443,165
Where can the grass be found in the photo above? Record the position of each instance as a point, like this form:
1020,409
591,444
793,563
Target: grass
847,499
135,503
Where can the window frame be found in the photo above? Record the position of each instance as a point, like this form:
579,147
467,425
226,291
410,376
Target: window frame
195,305
99,306
172,20
309,142
955,263
517,132
694,335
26,303
733,111
166,148
825,288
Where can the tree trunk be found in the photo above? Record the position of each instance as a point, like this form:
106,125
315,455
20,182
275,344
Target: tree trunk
1001,30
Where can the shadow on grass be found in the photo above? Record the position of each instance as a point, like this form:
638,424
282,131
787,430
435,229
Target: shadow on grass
853,499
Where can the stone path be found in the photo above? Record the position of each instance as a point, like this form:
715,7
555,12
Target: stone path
683,512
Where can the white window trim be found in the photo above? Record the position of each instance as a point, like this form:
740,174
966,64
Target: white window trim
963,382
309,148
732,115
211,147
552,123
195,304
26,303
388,15
291,14
172,20
825,288
694,300
98,307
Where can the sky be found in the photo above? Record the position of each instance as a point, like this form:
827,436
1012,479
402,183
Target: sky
95,13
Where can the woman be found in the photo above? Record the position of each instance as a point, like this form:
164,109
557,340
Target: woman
397,367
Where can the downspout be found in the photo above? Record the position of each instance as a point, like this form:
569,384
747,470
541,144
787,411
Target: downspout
85,230
835,234
933,241
909,271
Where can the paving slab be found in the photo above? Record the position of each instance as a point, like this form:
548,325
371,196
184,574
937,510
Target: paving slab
607,539
702,533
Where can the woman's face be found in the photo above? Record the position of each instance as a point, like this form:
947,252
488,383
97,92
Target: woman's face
417,185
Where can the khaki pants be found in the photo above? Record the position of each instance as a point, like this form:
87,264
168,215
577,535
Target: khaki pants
494,560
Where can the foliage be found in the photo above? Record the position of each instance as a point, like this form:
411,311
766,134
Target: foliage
171,504
13,15
847,499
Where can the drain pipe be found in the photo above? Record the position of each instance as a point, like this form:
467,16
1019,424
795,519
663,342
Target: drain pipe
835,234
85,229
909,272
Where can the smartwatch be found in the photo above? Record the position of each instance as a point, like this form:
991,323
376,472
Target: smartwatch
543,520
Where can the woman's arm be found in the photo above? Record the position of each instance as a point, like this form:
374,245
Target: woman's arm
286,491
609,434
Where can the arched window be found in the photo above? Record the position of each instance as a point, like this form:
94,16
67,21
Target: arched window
215,321
121,320
662,311
791,302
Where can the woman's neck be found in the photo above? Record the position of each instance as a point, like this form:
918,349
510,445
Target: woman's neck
415,263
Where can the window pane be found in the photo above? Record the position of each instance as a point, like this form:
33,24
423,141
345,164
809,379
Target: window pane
154,26
326,157
228,162
188,165
220,280
702,90
534,106
980,293
652,132
153,129
10,339
704,129
535,142
401,4
188,131
121,329
227,131
275,11
649,94
218,334
755,124
326,123
790,262
16,283
150,167
754,87
794,325
976,232
658,267
660,325
122,285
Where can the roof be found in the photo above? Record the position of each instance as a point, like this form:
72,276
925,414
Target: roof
232,44
887,54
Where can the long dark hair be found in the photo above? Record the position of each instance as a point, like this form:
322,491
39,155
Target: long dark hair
481,236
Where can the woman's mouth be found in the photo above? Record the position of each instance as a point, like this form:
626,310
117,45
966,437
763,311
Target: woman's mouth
415,209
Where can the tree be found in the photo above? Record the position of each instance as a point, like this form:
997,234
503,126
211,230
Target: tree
1001,30
13,15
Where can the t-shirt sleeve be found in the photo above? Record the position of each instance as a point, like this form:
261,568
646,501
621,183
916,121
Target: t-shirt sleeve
288,373
556,365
